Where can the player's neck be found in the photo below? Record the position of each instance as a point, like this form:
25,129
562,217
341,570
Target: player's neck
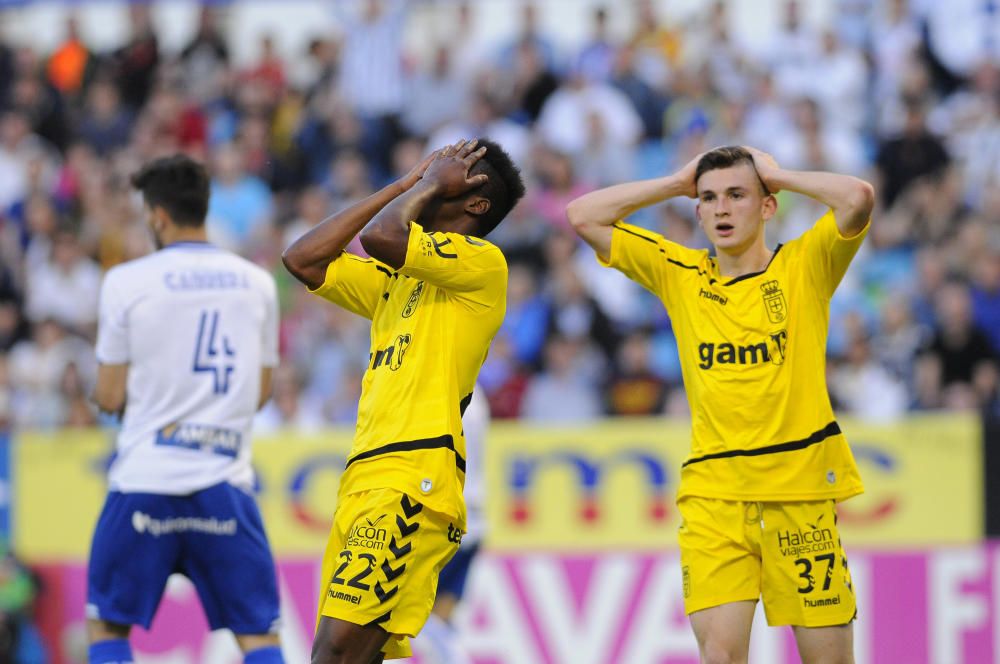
177,234
736,264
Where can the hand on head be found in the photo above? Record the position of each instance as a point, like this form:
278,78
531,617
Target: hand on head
767,167
687,176
449,168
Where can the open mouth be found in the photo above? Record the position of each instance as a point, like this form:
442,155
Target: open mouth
724,229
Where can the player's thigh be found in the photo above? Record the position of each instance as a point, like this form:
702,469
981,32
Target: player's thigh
382,564
720,564
826,645
341,642
806,578
132,555
224,546
723,632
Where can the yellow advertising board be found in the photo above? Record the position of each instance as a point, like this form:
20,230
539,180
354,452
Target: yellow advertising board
612,485
608,486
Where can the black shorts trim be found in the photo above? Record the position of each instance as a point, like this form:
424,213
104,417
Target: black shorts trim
446,441
831,429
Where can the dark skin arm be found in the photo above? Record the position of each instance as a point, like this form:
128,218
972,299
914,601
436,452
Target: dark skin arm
447,176
308,257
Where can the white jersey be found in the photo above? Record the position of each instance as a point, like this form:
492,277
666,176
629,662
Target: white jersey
196,324
475,425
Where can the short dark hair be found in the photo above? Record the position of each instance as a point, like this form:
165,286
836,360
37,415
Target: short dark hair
179,185
726,157
504,187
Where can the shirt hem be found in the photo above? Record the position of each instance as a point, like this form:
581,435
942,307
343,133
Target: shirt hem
839,495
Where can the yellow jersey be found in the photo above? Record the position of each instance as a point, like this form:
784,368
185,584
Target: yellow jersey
753,359
432,323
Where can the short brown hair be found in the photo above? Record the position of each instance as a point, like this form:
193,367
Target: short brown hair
726,157
179,185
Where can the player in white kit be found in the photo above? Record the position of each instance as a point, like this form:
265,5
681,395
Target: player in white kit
186,343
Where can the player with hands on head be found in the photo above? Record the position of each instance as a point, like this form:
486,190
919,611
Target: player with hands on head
435,292
768,460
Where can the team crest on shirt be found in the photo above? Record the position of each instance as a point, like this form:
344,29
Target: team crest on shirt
413,300
774,301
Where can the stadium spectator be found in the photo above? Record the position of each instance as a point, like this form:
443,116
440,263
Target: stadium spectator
105,125
135,64
595,61
532,81
864,388
240,205
36,369
529,35
564,392
634,389
437,95
913,154
958,367
71,63
64,286
205,59
371,77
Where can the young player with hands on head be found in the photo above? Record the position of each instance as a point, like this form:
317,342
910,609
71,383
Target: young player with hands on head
435,292
768,460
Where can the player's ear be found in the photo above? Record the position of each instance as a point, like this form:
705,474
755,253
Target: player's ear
477,205
160,217
769,207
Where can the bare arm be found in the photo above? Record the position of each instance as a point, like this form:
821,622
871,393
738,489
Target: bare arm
109,392
308,257
593,215
265,386
851,199
446,176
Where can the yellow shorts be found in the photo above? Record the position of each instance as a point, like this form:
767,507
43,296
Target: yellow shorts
787,553
382,562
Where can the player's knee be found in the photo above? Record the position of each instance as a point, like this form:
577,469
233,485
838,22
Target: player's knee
333,650
722,653
100,630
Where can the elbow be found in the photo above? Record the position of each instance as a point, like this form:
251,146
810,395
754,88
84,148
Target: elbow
576,214
108,402
292,261
863,200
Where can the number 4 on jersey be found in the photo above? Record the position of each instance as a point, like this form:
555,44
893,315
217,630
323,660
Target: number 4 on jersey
207,356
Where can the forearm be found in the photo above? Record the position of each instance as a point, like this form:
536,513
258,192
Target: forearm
308,257
606,206
850,198
388,234
593,214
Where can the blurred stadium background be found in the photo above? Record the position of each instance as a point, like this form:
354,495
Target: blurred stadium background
302,107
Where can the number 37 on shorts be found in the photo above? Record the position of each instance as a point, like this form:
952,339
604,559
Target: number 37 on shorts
787,554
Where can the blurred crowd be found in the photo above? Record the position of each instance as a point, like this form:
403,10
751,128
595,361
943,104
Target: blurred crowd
905,94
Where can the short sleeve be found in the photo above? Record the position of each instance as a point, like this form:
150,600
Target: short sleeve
269,349
466,266
112,326
827,254
355,283
648,258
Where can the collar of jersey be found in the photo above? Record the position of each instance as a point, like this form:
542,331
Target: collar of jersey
748,275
